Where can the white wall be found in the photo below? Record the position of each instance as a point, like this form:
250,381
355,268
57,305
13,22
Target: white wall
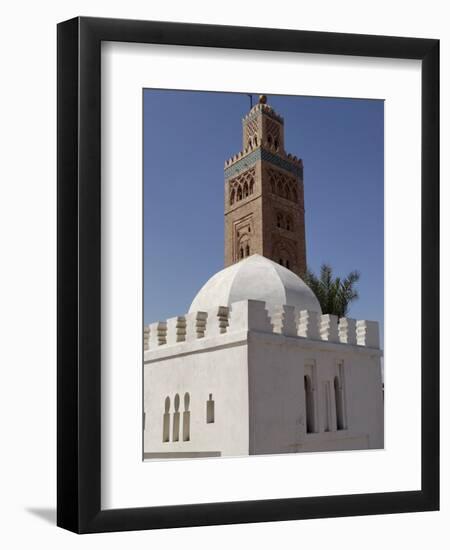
221,372
28,233
277,406
259,386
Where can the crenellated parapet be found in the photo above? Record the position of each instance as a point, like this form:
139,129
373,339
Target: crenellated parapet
252,315
241,154
328,328
367,334
263,108
263,140
195,325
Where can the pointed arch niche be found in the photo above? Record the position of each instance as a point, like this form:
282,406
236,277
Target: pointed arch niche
187,418
310,397
339,397
166,420
176,419
284,253
244,244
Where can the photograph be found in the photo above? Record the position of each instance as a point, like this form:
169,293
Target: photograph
224,233
263,254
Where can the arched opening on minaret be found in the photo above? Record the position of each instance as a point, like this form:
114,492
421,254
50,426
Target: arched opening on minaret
287,192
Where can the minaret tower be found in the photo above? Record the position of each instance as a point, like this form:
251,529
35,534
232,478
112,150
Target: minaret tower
264,199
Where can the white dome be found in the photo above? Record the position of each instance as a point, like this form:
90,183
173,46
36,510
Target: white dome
255,278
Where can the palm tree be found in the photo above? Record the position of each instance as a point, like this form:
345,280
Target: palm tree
334,294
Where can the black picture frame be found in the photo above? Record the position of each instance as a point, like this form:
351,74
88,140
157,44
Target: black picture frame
79,280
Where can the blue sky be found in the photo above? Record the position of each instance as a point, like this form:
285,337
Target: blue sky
187,138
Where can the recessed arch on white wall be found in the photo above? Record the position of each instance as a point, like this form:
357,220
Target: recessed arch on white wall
166,421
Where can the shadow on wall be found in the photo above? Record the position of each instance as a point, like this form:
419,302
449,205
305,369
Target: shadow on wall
46,514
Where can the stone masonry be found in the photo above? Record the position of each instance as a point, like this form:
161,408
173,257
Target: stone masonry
264,196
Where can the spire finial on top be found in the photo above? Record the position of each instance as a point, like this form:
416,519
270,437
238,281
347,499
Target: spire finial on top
262,99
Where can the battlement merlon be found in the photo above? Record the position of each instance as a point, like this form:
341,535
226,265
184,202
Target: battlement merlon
253,315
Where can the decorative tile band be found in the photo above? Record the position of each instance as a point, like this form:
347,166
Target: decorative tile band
261,154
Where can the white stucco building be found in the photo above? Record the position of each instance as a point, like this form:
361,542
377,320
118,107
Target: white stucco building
255,368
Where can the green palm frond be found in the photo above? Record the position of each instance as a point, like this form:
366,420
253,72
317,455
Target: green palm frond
334,294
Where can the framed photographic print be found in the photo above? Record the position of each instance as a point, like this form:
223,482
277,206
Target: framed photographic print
248,308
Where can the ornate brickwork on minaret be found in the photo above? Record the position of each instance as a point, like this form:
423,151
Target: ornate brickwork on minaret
264,198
